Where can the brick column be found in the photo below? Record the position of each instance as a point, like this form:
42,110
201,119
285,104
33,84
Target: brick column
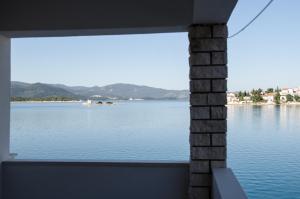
208,85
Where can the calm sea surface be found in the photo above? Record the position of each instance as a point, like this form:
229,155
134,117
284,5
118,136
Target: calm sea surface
263,141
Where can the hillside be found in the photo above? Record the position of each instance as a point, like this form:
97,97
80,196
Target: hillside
38,90
116,91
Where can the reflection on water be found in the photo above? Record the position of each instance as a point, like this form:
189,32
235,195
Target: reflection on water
264,149
263,141
126,131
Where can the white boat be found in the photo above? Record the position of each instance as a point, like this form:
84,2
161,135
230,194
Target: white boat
87,103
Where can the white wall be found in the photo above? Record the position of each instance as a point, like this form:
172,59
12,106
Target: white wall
4,101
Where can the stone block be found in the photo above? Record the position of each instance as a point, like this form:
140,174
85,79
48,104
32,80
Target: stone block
200,139
219,58
207,72
218,139
216,98
207,153
199,166
200,112
220,31
196,32
208,126
197,59
218,112
200,86
204,45
218,164
219,85
198,99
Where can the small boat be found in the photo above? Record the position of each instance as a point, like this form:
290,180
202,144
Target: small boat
87,103
99,102
109,103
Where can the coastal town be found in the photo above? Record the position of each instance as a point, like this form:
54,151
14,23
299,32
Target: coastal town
269,96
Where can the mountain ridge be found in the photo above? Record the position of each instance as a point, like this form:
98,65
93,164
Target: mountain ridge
122,91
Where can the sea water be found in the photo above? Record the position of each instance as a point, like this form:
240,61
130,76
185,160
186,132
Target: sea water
263,141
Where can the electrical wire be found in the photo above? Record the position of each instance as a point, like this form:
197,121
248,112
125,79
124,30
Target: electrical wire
248,24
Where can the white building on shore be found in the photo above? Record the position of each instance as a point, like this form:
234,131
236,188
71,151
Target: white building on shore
269,97
231,98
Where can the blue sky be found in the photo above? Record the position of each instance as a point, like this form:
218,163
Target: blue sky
265,55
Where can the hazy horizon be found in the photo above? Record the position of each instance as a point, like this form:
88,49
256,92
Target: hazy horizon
274,87
94,85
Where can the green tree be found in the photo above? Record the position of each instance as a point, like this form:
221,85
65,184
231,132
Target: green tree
277,89
289,98
270,90
49,98
297,98
277,96
240,96
256,95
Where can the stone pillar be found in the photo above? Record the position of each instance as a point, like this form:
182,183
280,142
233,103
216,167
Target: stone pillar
208,85
4,101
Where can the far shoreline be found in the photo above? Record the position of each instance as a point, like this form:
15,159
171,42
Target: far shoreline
81,101
228,104
45,101
263,104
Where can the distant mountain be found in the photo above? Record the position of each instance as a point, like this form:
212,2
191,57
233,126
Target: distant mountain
115,91
38,90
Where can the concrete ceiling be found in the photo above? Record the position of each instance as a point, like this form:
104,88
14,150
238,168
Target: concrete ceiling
87,17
